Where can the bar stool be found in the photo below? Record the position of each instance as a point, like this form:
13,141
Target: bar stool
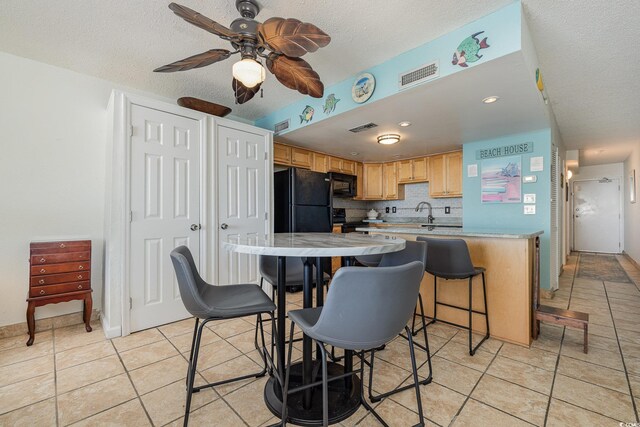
450,259
351,321
209,303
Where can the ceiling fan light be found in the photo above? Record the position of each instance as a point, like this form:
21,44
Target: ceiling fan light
249,72
389,139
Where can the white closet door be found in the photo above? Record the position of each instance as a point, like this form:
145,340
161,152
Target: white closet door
242,200
165,203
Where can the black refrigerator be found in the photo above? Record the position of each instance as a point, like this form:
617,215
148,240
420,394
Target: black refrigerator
302,201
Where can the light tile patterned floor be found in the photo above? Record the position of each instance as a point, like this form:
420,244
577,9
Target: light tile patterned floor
71,377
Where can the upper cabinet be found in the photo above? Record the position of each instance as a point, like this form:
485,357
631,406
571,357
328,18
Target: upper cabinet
319,162
381,182
359,181
445,175
281,154
336,164
413,170
301,158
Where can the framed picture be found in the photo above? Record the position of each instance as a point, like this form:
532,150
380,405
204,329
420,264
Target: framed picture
632,186
363,87
502,180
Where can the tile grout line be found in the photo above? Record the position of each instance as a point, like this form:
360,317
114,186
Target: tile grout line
564,330
624,365
221,397
55,374
126,370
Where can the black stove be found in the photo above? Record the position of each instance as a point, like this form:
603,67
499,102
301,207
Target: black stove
340,218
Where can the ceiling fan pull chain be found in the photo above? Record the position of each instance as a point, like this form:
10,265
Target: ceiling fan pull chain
261,93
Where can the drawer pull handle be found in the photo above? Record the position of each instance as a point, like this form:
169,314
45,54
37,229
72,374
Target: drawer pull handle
79,276
79,286
41,291
62,245
41,281
42,270
80,267
42,260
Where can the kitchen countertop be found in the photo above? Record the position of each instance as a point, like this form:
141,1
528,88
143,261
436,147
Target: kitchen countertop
461,232
316,244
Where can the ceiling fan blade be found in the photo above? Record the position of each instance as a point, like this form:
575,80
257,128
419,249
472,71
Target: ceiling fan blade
296,74
204,106
243,93
195,18
196,61
292,37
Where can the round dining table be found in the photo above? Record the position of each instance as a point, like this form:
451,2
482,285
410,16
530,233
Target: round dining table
305,408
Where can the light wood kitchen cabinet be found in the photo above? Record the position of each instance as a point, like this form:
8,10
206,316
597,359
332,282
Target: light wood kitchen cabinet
381,182
391,189
413,170
359,181
319,162
336,164
373,177
445,175
281,154
300,157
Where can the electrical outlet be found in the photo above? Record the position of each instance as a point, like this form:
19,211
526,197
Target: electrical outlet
393,209
447,210
386,210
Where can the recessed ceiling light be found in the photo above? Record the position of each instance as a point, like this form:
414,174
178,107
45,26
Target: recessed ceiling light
388,139
490,99
354,153
395,156
404,124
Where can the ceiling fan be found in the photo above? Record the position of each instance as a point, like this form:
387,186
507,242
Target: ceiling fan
281,42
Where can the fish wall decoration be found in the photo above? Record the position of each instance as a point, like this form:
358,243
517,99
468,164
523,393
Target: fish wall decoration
307,114
330,104
468,50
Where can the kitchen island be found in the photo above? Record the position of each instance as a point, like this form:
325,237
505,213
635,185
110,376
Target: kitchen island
510,257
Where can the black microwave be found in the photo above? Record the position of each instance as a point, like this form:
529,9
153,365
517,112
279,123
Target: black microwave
343,185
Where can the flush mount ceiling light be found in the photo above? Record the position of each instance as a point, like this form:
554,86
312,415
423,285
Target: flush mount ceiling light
354,153
490,99
388,139
404,124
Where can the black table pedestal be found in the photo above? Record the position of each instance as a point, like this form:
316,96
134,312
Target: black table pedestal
343,401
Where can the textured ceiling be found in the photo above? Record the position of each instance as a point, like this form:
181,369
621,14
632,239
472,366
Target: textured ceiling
587,50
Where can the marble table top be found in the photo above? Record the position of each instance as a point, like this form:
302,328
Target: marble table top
316,244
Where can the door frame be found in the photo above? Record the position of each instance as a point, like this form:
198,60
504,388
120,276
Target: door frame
620,211
115,311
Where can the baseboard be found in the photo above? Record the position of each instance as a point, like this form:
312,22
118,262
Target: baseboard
631,260
46,324
109,331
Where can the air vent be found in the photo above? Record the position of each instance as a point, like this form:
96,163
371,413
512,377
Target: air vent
419,75
280,127
362,128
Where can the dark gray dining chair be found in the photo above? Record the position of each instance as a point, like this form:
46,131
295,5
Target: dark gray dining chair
365,309
450,259
413,251
369,260
209,303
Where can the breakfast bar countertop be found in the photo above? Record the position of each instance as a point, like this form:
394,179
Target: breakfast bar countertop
457,232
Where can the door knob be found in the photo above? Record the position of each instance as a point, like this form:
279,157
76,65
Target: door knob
224,226
195,227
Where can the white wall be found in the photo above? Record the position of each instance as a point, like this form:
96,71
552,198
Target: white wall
611,171
632,210
52,168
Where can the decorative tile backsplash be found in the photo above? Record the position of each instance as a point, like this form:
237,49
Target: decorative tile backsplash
413,194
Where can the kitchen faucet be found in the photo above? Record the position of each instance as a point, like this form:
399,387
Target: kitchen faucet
430,218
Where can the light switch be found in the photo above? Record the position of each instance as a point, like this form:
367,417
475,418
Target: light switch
530,198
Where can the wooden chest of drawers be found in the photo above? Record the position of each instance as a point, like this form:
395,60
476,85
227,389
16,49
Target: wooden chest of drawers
59,272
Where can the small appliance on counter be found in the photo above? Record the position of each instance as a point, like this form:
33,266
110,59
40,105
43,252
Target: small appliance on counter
372,214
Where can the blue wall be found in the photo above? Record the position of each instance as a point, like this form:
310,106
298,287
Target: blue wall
502,29
508,216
